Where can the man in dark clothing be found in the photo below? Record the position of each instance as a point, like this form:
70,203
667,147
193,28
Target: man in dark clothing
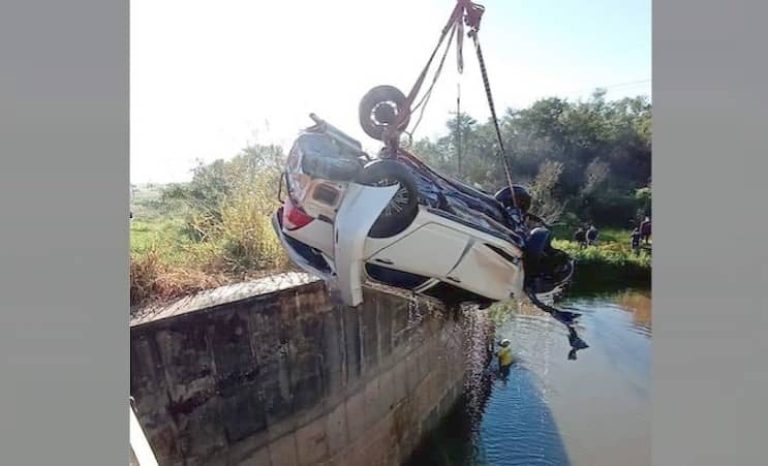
645,230
636,240
580,237
592,235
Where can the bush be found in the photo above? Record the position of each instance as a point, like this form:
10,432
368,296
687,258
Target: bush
245,238
220,231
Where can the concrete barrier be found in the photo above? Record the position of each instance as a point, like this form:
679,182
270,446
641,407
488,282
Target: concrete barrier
272,373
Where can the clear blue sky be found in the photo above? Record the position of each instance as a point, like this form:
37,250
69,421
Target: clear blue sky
208,78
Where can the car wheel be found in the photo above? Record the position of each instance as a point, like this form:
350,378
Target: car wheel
536,246
546,268
522,195
402,209
379,108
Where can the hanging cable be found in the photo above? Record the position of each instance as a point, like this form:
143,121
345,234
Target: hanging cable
470,14
458,127
428,94
486,83
456,15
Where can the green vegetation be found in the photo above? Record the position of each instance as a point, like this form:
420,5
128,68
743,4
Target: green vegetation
210,231
609,264
584,162
158,234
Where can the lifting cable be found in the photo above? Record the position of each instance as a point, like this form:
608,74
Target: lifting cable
458,127
502,152
455,17
423,102
470,13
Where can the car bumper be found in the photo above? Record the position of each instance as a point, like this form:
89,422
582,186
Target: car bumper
296,254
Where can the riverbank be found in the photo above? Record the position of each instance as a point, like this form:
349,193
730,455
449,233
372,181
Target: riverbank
608,265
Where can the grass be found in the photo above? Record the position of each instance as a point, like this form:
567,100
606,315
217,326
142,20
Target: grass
168,262
154,279
153,234
608,235
611,263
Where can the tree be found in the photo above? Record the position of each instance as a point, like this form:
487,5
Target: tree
603,149
543,190
213,184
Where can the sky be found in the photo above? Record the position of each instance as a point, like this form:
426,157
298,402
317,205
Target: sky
210,78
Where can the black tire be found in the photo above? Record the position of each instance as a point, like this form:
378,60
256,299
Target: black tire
376,97
402,210
536,246
522,195
545,266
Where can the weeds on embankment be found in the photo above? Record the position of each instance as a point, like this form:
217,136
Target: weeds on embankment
190,249
164,269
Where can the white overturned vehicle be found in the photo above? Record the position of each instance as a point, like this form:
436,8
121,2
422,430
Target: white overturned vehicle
391,222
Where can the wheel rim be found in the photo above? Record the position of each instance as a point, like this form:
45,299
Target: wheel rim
399,201
391,105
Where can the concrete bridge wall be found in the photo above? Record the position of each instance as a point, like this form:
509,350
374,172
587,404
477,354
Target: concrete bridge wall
273,374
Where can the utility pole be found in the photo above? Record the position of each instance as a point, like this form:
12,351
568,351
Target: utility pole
458,127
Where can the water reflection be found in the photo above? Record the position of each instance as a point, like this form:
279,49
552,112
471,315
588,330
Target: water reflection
551,411
639,305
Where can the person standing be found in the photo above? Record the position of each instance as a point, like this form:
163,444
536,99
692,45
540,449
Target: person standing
504,354
645,230
635,235
592,235
580,237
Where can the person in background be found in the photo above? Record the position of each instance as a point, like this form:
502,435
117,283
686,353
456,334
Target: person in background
635,235
580,237
505,357
645,230
592,235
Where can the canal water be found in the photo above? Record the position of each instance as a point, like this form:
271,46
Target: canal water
549,410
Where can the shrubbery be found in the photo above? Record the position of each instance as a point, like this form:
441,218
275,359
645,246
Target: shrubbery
219,232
